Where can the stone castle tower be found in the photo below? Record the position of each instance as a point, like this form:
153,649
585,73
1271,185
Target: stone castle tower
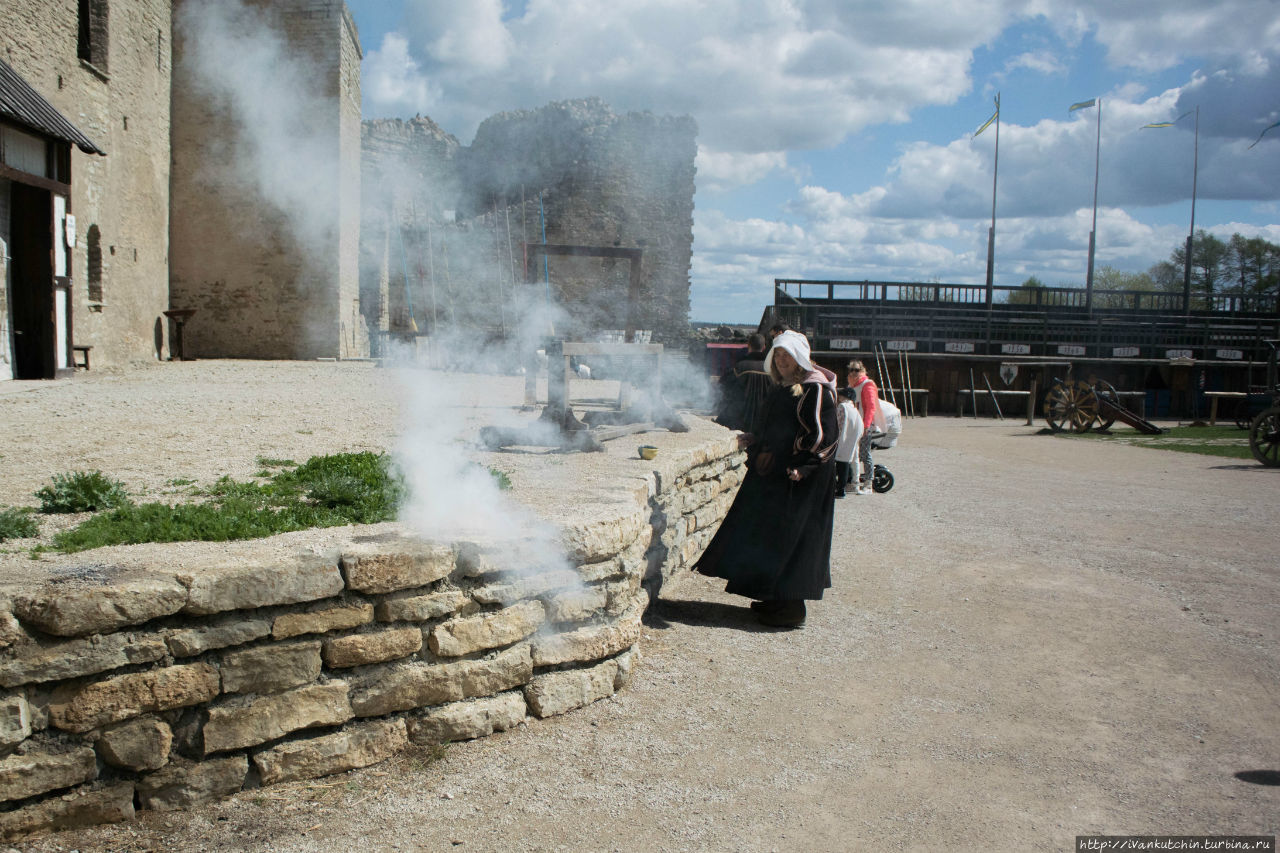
266,181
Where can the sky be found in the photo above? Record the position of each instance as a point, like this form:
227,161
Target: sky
836,137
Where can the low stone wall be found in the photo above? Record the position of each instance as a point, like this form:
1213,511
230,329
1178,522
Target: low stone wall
163,688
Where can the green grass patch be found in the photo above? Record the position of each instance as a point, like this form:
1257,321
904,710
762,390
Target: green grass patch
81,491
17,524
501,478
1225,441
326,491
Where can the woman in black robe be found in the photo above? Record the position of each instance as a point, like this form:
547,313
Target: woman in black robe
775,542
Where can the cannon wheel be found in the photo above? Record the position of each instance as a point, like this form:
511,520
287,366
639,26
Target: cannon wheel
1070,406
1105,389
1264,437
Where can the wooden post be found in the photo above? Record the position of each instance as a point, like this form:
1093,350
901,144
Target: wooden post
991,391
1031,404
973,392
557,378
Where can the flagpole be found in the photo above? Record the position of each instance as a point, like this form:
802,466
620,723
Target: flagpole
1195,172
1097,152
991,233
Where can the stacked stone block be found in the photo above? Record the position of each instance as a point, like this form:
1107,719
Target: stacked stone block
168,689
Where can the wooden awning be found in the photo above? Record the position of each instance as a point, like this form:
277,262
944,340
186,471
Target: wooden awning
23,105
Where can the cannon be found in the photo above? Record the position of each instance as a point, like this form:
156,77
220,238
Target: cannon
1077,406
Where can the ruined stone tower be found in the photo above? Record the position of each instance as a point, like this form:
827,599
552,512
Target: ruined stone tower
574,171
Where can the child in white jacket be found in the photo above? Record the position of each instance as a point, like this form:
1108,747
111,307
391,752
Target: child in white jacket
850,423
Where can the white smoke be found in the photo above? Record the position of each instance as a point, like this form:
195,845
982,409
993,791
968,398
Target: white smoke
453,497
284,131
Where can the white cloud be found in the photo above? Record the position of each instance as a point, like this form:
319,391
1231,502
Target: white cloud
720,171
393,79
1041,61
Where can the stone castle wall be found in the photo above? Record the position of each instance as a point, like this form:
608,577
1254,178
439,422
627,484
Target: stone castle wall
165,689
574,169
122,197
270,274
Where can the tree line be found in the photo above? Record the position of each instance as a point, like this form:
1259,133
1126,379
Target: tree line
1241,265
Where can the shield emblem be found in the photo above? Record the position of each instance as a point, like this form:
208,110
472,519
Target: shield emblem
1008,372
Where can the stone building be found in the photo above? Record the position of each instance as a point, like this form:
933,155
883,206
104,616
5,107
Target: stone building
569,173
130,184
84,182
180,156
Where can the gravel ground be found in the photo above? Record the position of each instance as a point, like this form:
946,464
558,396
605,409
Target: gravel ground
1030,638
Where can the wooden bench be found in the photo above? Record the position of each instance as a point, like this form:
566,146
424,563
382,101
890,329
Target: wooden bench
894,395
81,350
1215,396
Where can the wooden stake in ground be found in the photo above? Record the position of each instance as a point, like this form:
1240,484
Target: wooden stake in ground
991,391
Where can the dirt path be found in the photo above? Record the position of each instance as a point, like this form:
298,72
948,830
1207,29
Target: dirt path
1030,638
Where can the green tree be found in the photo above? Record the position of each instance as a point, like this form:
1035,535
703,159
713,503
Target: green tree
1108,279
1208,263
1027,295
1254,264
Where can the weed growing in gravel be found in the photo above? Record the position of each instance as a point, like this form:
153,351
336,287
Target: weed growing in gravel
17,524
82,491
326,491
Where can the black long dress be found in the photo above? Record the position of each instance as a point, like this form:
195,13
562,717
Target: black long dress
775,541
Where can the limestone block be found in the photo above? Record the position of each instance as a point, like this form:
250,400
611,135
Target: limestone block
216,589
38,771
15,721
141,744
531,554
592,642
322,621
27,664
576,605
527,586
243,722
627,663
557,692
266,669
80,808
73,611
228,631
181,786
359,649
601,570
126,696
467,720
11,632
486,631
420,608
382,567
402,687
621,594
358,745
591,541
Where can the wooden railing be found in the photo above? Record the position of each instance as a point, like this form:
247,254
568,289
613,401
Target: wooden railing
945,318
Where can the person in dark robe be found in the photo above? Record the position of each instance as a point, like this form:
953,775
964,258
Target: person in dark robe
744,389
774,545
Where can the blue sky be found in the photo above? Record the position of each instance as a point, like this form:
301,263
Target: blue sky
836,136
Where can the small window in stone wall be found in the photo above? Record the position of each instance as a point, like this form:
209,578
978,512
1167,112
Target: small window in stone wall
93,241
93,33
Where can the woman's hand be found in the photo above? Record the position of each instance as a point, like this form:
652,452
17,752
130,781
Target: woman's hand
793,475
